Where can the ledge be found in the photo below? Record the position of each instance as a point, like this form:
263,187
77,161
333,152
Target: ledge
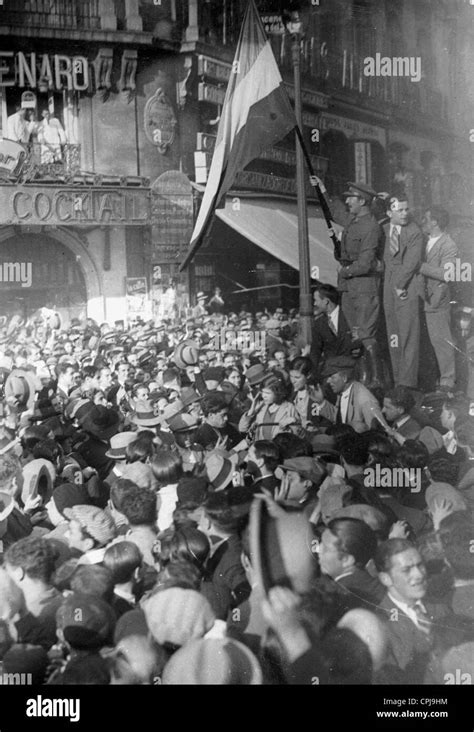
80,34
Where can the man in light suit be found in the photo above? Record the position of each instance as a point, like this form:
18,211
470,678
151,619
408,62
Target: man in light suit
402,257
355,404
438,257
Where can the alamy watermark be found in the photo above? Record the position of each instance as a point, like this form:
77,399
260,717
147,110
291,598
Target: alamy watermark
45,707
227,339
21,272
458,678
457,271
409,66
380,477
16,679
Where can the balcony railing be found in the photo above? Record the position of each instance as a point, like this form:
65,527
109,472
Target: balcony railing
61,14
327,69
51,162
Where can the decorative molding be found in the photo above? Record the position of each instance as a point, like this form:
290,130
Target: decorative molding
103,70
128,72
160,121
181,86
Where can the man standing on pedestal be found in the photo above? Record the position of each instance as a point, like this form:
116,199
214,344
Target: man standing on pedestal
402,257
359,277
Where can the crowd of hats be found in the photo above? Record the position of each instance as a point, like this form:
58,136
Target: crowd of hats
72,470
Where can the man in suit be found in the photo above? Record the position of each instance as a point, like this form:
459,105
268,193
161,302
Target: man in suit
438,257
225,516
410,621
355,404
455,531
346,545
402,257
331,334
397,405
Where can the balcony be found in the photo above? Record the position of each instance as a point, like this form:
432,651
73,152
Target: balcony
334,71
57,14
51,163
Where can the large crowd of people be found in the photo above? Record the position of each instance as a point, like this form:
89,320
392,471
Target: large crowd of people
209,502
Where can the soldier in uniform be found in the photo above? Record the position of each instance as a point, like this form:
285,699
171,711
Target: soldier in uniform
359,277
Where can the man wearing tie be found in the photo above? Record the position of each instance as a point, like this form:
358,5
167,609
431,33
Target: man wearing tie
440,251
410,619
331,333
402,257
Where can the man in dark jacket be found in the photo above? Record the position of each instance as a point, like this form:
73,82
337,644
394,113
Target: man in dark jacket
225,515
414,625
346,545
331,333
100,425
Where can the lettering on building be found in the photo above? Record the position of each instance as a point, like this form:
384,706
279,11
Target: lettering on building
34,205
57,71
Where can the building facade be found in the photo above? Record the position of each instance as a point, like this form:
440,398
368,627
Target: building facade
91,193
402,128
114,106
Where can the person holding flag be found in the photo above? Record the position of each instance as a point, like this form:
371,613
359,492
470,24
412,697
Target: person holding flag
359,276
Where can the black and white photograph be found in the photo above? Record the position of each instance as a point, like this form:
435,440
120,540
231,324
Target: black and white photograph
236,355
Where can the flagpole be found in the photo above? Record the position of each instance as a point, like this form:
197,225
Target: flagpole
306,299
320,193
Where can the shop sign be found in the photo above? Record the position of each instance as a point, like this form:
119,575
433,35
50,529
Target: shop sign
44,71
172,214
62,206
209,93
352,128
209,67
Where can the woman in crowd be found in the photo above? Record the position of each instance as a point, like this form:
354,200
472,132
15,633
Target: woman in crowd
271,411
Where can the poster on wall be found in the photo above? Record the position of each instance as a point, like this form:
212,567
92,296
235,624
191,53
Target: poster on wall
138,304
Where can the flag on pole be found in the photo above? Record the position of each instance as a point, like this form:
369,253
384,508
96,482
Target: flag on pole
256,114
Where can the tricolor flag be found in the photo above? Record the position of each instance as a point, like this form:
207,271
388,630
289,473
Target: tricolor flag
256,114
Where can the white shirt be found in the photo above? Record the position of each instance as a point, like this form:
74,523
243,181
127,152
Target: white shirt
169,498
431,242
125,595
450,442
344,574
334,318
301,404
94,556
395,227
401,422
344,404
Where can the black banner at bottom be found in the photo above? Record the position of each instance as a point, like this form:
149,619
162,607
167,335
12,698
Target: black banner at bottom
372,707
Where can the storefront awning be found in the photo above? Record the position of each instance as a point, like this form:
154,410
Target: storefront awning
272,224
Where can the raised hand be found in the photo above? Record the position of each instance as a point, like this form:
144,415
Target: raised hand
439,510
